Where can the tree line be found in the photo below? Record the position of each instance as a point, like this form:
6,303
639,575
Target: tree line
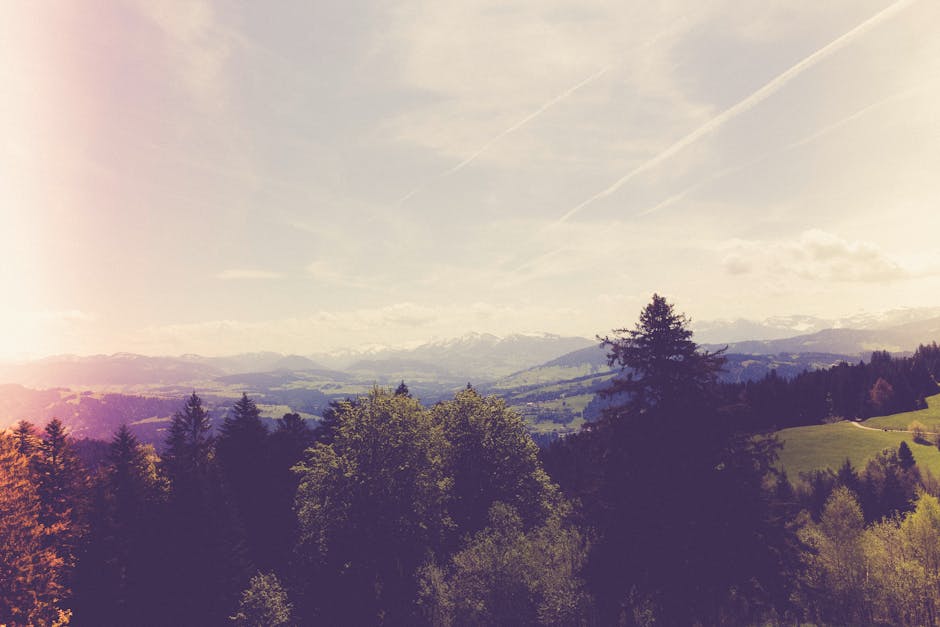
667,510
884,385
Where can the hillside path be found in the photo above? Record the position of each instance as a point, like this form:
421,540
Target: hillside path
861,426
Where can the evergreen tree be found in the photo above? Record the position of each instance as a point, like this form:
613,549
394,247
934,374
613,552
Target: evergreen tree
693,535
61,484
247,472
32,583
659,361
204,566
402,389
189,444
114,580
905,457
292,436
26,439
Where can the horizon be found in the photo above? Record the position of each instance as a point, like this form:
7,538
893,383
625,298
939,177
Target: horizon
210,179
717,332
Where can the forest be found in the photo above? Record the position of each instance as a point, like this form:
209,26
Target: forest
666,510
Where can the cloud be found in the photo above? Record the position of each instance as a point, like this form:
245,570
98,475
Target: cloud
773,86
198,47
239,274
327,272
816,256
397,325
487,69
511,129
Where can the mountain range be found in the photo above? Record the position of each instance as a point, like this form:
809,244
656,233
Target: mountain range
477,357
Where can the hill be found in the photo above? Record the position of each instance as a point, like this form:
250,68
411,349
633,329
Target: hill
827,446
903,338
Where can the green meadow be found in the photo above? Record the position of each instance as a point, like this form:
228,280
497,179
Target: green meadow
930,418
827,446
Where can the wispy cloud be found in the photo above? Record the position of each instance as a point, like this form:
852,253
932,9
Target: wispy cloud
200,48
528,118
327,272
799,143
245,274
755,98
394,325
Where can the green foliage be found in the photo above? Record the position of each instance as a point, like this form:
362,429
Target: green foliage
371,503
886,574
835,566
491,458
263,604
507,576
827,446
929,417
918,431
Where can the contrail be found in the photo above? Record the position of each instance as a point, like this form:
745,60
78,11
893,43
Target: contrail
568,92
791,146
744,105
678,25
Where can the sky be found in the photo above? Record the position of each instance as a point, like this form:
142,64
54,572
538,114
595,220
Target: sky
225,177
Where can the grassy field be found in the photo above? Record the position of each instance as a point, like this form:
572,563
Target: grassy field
930,417
822,446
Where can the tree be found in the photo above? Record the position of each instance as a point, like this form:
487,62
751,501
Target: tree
675,488
189,444
31,571
491,458
371,506
905,457
402,389
291,437
247,472
263,604
26,439
204,565
881,392
509,576
918,431
658,359
114,576
61,485
835,574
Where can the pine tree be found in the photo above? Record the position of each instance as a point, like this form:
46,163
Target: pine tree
292,436
113,577
189,444
659,361
205,565
247,473
31,572
905,457
26,438
680,535
61,484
